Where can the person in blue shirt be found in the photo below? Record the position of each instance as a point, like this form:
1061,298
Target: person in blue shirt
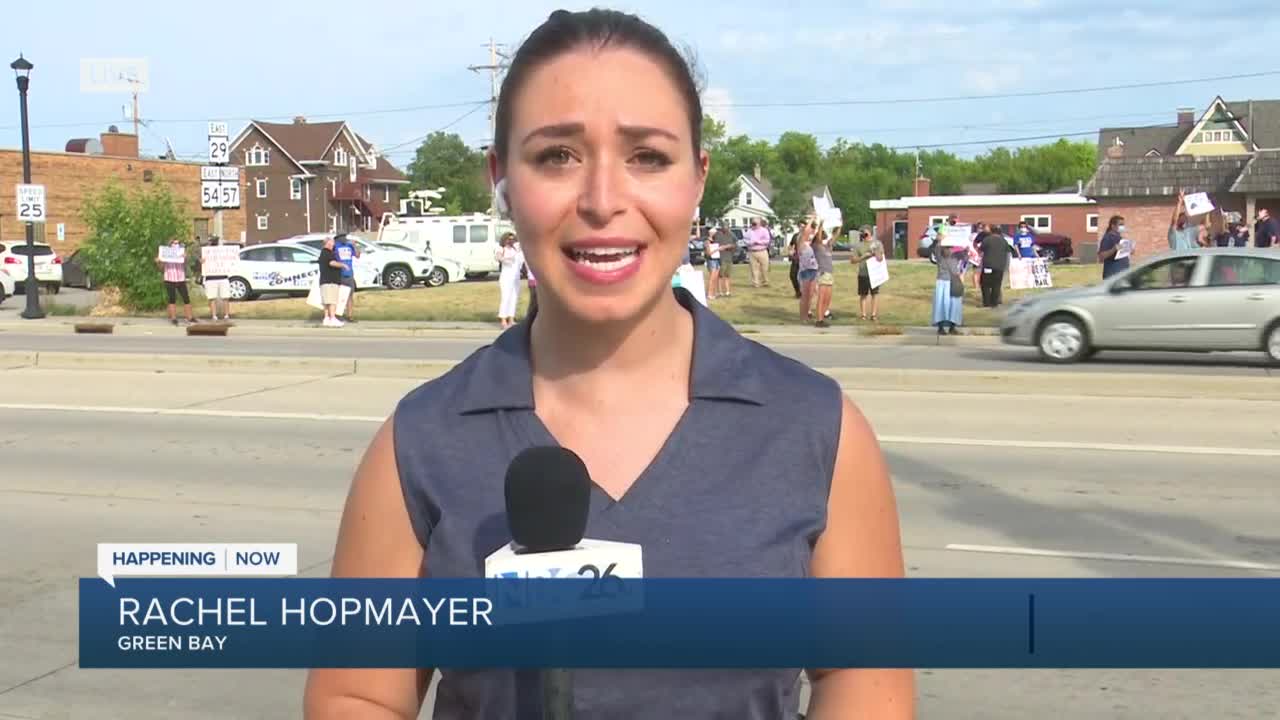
346,252
1025,241
1111,246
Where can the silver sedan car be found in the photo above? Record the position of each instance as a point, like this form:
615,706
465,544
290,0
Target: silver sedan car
1194,300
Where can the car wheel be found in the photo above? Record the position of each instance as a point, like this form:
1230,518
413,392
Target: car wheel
397,278
1272,346
1062,339
437,277
239,289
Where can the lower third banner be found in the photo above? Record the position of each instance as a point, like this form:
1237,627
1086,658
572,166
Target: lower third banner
298,623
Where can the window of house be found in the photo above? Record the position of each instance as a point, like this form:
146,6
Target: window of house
386,193
1038,222
1091,222
340,157
262,222
747,200
333,186
295,189
333,221
261,187
351,164
257,156
366,192
935,220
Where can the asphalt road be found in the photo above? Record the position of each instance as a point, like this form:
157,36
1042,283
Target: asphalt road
223,472
827,354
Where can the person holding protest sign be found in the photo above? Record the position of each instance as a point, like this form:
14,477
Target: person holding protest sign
1185,234
826,272
1114,250
217,287
996,251
948,289
172,261
866,249
808,264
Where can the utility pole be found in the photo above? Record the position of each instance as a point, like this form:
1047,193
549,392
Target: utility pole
499,61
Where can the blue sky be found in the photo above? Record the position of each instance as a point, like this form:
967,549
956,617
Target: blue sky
233,59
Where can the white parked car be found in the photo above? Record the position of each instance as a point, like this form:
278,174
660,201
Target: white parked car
8,285
444,271
13,257
398,269
283,268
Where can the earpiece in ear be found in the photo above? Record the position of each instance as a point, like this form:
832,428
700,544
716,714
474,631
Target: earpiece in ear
500,198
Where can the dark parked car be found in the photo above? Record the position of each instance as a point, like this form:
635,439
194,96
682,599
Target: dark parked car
74,273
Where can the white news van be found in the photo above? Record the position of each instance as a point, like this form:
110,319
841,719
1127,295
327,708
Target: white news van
468,240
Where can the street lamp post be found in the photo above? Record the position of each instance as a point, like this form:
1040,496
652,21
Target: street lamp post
22,69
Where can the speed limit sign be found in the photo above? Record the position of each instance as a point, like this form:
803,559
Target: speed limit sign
31,203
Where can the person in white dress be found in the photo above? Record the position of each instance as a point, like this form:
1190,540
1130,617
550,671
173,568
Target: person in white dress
509,261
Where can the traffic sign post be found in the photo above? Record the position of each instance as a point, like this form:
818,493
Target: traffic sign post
219,183
31,203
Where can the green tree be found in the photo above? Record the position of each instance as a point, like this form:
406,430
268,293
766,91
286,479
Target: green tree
444,160
126,230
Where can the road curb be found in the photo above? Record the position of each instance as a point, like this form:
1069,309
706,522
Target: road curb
980,382
780,337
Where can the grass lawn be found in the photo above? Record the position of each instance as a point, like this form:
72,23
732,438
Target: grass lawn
906,300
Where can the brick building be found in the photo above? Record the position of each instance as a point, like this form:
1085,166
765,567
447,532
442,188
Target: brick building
304,177
900,222
85,167
1231,152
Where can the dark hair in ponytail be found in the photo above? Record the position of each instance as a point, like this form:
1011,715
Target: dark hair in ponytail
566,31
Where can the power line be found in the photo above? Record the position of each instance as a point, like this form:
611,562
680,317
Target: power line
455,121
997,96
1055,136
354,113
974,126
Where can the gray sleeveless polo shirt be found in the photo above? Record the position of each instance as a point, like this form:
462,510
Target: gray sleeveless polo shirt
738,490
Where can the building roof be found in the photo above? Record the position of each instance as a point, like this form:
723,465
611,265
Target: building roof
950,201
1139,141
762,187
303,140
1164,176
1261,174
1265,130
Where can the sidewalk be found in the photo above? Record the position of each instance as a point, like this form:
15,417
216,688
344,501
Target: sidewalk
160,327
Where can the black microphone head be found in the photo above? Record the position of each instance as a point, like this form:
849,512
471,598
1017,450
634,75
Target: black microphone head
548,492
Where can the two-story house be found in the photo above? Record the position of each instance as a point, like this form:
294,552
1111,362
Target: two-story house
755,199
304,177
1231,151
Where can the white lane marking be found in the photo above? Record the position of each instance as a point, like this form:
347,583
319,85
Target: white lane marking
886,439
1102,447
247,414
1115,557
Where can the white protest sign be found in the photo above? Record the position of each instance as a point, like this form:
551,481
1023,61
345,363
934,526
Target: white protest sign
1029,273
1124,249
832,218
195,559
218,259
878,271
172,254
1198,204
820,206
956,235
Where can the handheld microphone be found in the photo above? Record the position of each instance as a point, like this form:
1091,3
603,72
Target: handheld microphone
548,498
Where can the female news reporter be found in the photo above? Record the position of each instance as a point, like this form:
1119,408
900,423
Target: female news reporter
598,158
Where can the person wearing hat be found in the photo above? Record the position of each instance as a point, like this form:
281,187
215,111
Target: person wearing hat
867,247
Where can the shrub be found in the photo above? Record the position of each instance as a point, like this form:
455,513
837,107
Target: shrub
126,229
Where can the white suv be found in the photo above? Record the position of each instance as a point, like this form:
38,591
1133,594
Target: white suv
7,284
13,258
